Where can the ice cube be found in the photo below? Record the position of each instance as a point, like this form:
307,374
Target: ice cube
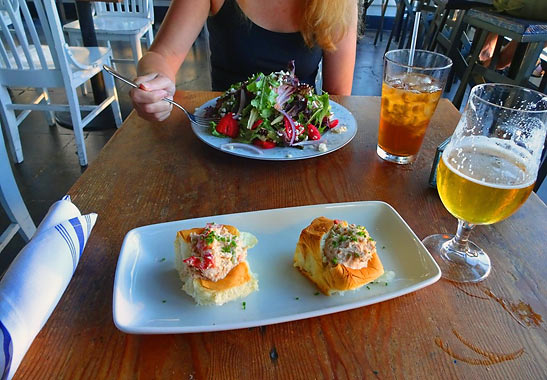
416,81
396,81
429,88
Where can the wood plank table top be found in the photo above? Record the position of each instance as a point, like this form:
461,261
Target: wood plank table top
151,173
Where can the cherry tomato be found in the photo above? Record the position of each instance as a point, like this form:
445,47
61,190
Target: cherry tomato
264,144
256,124
228,126
313,133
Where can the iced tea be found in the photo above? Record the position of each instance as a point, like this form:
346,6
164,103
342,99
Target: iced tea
408,102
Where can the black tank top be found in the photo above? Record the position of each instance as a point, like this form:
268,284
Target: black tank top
240,48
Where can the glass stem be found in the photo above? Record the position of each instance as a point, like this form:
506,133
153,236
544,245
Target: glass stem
459,243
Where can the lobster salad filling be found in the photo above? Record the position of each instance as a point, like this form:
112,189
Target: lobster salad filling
215,252
348,244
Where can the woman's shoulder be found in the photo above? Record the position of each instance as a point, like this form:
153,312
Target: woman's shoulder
216,5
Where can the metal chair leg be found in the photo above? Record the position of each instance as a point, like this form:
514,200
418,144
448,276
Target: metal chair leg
454,50
478,42
396,23
380,30
404,28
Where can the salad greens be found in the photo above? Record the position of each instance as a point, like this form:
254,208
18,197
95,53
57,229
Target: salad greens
272,110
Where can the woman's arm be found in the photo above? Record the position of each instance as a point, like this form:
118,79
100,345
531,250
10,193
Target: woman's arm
179,29
338,65
158,68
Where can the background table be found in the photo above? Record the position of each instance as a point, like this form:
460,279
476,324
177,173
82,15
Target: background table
104,120
89,38
530,35
151,173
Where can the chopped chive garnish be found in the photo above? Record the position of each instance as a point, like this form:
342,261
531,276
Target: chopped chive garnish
162,259
244,305
163,301
316,294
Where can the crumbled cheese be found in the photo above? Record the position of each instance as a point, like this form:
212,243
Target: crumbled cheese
340,129
288,155
322,147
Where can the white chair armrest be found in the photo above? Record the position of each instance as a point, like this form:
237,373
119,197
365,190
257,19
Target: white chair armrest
73,60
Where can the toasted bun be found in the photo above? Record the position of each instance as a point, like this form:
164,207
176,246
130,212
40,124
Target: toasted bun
308,258
238,283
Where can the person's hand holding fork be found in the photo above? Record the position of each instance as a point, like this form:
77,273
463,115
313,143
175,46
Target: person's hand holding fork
148,98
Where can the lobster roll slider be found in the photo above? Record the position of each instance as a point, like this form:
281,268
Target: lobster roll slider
212,265
337,256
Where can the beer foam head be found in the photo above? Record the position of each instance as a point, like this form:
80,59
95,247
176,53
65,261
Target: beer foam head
492,162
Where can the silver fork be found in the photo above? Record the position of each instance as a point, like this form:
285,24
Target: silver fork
195,119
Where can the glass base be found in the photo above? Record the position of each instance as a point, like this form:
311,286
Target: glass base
455,265
394,158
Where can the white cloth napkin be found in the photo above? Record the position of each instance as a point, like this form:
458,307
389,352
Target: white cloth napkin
37,278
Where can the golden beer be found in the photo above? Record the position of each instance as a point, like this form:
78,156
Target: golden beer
482,183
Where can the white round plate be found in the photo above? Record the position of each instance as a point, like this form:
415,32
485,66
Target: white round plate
333,141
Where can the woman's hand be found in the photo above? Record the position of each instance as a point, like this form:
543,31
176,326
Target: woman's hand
147,99
179,29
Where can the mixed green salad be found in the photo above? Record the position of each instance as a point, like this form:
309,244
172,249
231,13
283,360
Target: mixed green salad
272,110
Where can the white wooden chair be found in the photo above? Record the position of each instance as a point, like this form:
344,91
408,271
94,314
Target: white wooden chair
128,21
12,203
25,62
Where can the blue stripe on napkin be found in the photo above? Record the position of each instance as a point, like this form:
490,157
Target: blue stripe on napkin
79,233
88,222
63,232
7,350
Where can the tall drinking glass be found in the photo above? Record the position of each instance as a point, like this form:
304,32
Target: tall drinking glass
487,171
410,94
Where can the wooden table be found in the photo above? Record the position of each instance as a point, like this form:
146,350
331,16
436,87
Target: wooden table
151,173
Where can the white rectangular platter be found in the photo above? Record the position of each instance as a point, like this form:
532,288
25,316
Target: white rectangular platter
147,290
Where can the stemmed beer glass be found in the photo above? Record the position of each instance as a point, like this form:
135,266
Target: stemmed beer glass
487,171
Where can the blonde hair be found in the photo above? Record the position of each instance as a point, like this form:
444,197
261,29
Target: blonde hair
325,22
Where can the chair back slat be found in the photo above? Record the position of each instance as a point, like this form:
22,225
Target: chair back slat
124,8
44,20
98,7
3,52
7,40
33,36
4,60
21,47
54,35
